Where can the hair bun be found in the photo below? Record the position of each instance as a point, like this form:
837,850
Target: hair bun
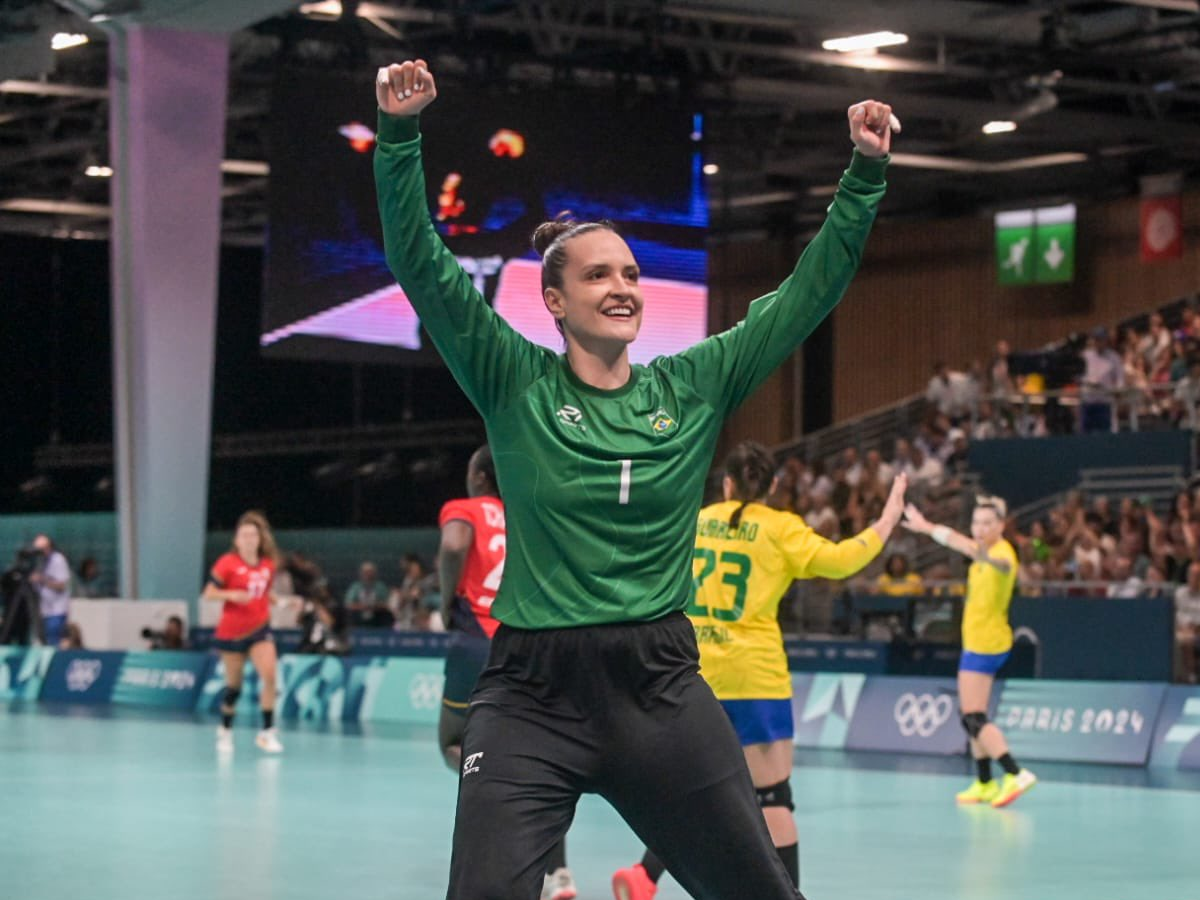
548,232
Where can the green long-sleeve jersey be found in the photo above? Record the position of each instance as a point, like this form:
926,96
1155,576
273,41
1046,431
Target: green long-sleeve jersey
601,487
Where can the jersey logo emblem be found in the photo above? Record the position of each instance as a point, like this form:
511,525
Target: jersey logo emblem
569,415
661,422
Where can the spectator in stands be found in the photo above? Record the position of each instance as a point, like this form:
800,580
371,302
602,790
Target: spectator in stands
1187,625
1188,329
852,467
1103,374
1156,584
1186,397
875,469
1103,512
955,459
1001,383
897,580
824,520
1142,398
72,638
950,392
367,598
1089,580
987,424
1155,342
818,483
416,584
1030,578
87,582
939,581
924,472
52,579
174,635
1124,582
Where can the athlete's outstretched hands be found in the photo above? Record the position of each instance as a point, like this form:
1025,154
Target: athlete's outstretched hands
871,127
889,518
404,89
915,521
894,507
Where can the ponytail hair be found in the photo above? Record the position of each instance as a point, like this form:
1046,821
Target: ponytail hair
550,243
752,469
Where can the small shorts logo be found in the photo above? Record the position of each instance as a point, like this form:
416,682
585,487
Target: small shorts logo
471,763
570,415
661,422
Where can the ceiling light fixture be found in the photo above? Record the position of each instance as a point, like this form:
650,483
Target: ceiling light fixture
64,41
859,42
999,127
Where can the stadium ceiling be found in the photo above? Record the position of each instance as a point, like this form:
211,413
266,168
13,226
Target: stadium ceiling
1102,93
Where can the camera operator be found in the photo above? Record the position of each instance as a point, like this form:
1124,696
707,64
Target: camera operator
52,580
323,620
172,637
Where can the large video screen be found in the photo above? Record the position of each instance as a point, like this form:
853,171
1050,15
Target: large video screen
498,161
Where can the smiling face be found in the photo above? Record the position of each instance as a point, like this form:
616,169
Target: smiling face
247,540
599,304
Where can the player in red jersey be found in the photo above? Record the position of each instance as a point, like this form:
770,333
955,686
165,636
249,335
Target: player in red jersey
241,579
470,566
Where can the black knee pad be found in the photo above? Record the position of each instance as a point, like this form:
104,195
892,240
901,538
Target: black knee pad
229,698
776,795
974,722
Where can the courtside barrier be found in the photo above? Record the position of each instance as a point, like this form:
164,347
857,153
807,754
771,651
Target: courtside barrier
908,715
22,671
1177,735
1132,723
1080,721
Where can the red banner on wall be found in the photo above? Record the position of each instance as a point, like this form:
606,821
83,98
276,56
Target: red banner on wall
1162,228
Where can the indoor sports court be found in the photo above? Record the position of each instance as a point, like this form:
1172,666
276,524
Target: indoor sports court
370,814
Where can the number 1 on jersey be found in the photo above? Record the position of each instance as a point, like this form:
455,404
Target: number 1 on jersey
626,480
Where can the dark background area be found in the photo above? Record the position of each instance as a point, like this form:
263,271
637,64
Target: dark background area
56,369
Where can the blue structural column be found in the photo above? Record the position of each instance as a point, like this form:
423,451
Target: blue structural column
167,97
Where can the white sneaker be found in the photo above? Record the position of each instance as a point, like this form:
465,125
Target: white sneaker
559,885
224,739
268,741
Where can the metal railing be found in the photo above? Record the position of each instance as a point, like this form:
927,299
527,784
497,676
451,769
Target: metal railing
1156,484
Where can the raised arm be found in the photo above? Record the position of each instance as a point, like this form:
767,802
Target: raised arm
946,536
851,556
728,367
488,358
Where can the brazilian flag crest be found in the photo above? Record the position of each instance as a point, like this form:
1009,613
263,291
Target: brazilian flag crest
662,423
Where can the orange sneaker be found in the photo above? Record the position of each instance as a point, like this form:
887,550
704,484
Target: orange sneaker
633,884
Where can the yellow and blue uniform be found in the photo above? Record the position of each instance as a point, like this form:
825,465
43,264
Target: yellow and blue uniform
986,635
740,575
907,585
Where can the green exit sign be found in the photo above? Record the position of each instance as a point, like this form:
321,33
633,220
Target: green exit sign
1036,246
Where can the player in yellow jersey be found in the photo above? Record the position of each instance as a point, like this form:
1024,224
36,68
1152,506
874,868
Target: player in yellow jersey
747,555
987,642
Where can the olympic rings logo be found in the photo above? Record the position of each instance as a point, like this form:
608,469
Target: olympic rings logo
921,714
425,690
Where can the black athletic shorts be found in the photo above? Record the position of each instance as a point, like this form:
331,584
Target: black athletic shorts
466,658
615,710
243,645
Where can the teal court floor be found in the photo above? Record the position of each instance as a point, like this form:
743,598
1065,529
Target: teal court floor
129,806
